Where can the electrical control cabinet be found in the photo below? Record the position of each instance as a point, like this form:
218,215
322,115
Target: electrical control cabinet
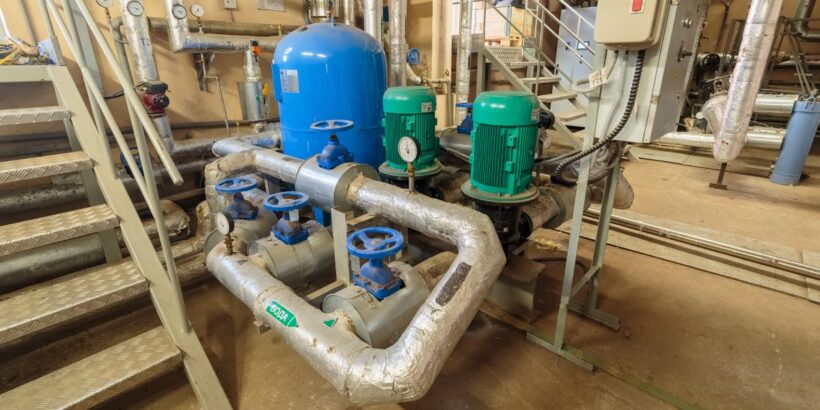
667,69
630,24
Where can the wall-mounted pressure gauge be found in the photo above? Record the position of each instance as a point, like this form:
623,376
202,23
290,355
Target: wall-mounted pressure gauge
408,149
135,8
197,10
105,3
179,11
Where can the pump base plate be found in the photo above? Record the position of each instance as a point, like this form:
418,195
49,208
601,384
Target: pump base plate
529,195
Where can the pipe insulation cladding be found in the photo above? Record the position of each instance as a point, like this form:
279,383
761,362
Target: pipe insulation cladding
330,71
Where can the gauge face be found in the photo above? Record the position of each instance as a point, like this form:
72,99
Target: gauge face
179,11
197,10
408,149
224,223
105,3
135,8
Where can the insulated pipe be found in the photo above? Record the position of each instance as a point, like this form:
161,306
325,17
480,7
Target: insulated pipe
465,40
138,38
183,41
801,26
756,137
373,18
776,105
349,12
398,46
406,370
758,36
233,28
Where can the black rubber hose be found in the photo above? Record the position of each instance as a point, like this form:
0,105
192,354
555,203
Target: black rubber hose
630,105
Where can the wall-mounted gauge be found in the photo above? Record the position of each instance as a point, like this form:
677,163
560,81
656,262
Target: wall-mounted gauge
197,10
408,149
179,11
105,3
224,223
135,8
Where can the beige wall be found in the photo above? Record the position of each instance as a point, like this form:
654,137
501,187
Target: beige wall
188,104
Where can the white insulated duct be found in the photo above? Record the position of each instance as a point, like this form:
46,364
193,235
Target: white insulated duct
398,45
349,7
373,18
758,36
183,41
465,39
756,137
406,370
138,36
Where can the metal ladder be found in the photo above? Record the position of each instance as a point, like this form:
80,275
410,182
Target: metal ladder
541,72
47,306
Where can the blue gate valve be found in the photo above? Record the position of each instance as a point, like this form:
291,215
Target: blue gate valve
334,153
241,208
413,56
288,230
466,125
375,244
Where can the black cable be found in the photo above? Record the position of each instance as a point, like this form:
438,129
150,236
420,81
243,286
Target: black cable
630,105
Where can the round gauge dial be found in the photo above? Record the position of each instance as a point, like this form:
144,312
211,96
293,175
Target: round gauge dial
197,10
224,223
135,8
179,11
105,3
408,149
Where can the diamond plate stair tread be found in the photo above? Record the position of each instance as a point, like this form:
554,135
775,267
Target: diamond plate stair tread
101,376
37,167
571,115
55,228
45,306
561,95
32,115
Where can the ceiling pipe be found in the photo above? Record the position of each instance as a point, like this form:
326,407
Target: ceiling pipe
373,18
398,45
764,138
801,25
758,36
182,40
465,41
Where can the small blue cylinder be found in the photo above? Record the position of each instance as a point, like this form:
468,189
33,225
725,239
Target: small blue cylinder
797,143
329,71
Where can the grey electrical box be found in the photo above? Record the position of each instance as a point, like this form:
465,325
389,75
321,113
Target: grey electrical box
667,70
230,5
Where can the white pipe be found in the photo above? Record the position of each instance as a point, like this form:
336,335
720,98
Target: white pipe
349,12
758,36
138,36
398,46
464,51
373,18
765,138
183,41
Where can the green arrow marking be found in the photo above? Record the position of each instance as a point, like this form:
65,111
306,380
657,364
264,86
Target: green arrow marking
330,322
282,315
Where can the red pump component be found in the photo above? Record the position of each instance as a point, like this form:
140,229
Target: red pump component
154,98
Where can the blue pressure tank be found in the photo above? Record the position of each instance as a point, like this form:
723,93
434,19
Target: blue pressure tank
328,71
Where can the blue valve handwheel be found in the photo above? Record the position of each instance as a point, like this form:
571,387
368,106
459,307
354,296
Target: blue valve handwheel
413,56
235,185
286,201
375,242
332,125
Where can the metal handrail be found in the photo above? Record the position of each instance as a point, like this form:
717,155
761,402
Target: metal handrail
557,36
146,186
561,23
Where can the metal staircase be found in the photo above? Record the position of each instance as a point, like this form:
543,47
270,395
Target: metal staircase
61,303
528,68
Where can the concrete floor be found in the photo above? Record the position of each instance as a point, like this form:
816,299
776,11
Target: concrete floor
687,336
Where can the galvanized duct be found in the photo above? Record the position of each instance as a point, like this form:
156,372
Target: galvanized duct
755,48
756,137
183,41
138,38
373,18
465,39
398,46
232,28
801,26
775,105
407,369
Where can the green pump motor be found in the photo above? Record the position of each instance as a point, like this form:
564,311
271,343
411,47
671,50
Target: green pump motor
410,112
504,136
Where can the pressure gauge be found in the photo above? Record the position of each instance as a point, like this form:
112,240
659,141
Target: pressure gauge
135,8
408,149
179,11
224,223
197,10
105,3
